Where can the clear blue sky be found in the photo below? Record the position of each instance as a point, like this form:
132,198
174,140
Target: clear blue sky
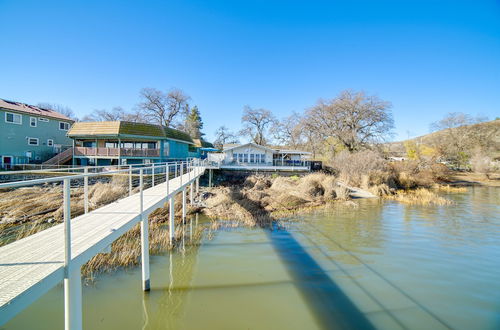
427,57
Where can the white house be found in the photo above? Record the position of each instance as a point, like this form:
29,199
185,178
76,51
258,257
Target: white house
251,156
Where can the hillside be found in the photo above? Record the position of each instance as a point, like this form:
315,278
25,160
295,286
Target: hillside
487,133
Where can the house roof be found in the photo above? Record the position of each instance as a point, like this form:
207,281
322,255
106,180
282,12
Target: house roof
274,149
126,128
32,110
294,152
233,146
200,143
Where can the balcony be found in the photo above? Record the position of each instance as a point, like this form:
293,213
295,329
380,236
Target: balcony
116,152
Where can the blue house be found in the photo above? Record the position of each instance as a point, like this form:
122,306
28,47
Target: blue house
124,143
30,134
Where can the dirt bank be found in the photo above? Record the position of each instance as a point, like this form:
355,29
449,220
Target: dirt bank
470,179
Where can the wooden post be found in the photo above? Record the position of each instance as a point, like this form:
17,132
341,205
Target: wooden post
210,178
171,216
184,205
144,238
86,190
197,185
72,279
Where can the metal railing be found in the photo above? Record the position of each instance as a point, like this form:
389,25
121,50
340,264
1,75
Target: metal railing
194,168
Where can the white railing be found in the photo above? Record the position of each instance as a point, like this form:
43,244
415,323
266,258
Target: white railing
194,168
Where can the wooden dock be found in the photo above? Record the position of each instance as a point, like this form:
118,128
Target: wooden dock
33,265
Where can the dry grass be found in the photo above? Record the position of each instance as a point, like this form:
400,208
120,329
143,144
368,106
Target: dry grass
41,206
261,200
420,196
414,174
449,189
126,251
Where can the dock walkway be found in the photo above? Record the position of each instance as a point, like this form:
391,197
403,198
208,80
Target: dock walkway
33,265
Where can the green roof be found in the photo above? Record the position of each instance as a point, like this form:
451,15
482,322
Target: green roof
176,134
141,129
126,128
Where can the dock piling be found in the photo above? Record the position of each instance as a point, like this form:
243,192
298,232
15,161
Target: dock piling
184,205
86,190
72,277
171,215
153,175
191,193
130,180
144,238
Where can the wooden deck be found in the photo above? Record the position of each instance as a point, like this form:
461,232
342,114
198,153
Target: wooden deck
31,266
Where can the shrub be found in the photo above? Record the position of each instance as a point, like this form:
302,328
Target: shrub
359,168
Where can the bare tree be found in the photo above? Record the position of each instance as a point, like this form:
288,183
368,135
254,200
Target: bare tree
354,119
163,108
313,141
458,137
256,124
288,131
117,113
64,110
223,135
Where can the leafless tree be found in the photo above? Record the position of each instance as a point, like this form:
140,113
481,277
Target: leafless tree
163,108
354,119
288,131
313,141
256,124
64,110
117,113
223,135
457,137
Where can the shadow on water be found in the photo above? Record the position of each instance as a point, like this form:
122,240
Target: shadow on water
332,308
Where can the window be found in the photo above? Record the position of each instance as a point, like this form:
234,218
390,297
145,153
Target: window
33,141
63,126
13,118
262,158
45,120
235,158
240,158
50,143
245,158
33,121
252,158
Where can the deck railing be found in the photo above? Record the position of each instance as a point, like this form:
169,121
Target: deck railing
115,152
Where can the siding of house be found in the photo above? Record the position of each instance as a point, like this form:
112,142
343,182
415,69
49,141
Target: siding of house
247,149
178,150
14,138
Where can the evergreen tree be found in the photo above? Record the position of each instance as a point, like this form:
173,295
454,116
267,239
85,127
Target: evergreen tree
194,123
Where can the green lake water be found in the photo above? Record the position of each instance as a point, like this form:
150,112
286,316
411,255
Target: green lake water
381,265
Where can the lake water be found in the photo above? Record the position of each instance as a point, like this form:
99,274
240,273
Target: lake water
382,265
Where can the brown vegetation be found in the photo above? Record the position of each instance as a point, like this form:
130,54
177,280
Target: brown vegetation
126,250
420,196
259,200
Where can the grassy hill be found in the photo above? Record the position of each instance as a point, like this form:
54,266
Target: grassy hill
488,133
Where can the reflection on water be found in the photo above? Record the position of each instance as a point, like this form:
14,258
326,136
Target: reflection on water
383,265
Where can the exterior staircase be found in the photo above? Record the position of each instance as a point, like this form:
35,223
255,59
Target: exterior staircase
60,158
